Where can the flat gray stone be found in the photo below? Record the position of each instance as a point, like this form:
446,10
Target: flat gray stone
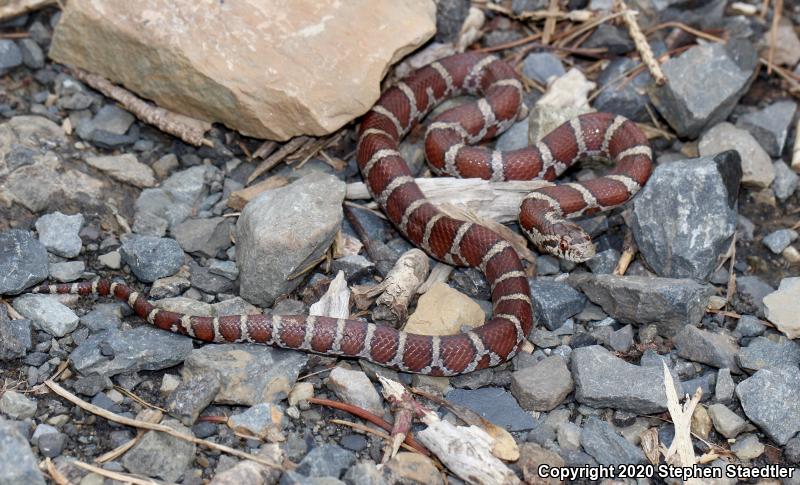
264,420
770,125
354,387
703,85
723,391
18,464
67,271
283,230
726,422
160,455
116,351
542,386
763,353
47,314
750,293
17,405
326,460
668,303
59,233
15,336
757,169
249,373
10,56
769,399
126,168
608,447
778,240
151,257
495,404
541,66
554,302
603,380
786,180
204,236
702,346
191,396
685,216
23,261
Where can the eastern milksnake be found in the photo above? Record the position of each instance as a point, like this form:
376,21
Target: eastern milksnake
542,217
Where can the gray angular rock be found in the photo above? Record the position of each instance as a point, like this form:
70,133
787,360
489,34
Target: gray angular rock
621,340
449,18
191,396
326,460
126,168
615,40
10,56
703,85
668,303
18,464
515,137
178,197
604,262
541,66
282,230
104,316
542,386
621,95
763,353
748,447
151,257
685,216
364,473
249,373
604,380
605,445
32,55
15,336
554,302
777,241
204,236
161,455
116,351
786,180
757,169
769,399
714,349
227,269
495,404
67,271
750,326
354,387
47,314
726,422
23,261
17,405
723,391
264,421
770,125
59,233
750,293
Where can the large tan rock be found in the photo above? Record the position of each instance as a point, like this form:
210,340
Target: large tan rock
267,68
443,310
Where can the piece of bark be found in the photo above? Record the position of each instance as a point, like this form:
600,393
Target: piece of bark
397,289
13,8
188,129
494,200
240,198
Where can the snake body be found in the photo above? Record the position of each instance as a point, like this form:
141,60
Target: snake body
543,217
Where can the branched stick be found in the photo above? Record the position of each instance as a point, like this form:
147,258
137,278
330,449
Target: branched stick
187,129
640,41
681,451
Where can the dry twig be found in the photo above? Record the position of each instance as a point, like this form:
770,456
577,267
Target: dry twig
777,10
154,427
122,477
187,129
681,450
640,41
287,149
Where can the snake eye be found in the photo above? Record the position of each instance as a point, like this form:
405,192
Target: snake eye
563,245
